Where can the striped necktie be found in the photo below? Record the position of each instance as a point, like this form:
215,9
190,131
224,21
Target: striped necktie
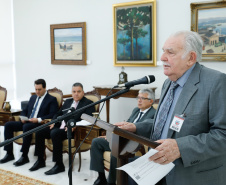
34,109
163,114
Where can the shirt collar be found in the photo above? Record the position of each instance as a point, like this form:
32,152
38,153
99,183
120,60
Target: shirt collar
43,96
144,111
182,80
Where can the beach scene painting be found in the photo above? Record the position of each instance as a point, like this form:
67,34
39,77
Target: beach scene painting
212,28
68,44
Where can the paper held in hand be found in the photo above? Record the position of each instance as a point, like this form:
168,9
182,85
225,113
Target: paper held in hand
145,172
24,118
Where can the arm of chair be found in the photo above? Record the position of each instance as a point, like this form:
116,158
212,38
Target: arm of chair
16,118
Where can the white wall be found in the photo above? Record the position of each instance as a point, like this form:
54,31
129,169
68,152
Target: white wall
6,48
33,55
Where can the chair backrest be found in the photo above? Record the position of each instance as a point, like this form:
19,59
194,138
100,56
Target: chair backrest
155,104
58,94
93,96
3,95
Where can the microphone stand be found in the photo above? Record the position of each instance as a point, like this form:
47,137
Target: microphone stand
70,123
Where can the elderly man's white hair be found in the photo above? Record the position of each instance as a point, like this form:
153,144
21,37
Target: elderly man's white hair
192,42
150,93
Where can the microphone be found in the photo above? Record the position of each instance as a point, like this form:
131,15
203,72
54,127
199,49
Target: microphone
145,80
69,109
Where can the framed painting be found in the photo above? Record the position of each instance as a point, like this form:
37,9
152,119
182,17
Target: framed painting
134,25
68,43
209,20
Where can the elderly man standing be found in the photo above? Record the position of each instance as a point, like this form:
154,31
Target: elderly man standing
190,122
58,132
140,117
40,106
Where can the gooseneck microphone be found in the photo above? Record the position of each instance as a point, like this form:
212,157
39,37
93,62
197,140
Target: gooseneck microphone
145,80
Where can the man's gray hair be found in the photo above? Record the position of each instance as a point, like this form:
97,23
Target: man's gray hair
192,42
150,93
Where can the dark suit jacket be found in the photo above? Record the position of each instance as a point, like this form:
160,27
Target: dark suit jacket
77,117
47,109
145,124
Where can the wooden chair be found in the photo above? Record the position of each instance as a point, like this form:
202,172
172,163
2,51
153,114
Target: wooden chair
93,96
142,151
3,95
54,92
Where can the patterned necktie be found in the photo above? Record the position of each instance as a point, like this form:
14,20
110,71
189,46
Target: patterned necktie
34,109
63,122
140,114
164,112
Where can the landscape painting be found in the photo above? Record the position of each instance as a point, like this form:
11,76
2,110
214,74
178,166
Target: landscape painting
209,20
134,34
212,28
68,43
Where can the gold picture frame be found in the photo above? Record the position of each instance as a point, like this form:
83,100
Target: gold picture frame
134,24
209,20
68,43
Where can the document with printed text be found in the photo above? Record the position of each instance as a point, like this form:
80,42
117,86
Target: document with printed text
145,172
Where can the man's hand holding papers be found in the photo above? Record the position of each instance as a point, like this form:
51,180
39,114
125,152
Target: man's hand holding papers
146,172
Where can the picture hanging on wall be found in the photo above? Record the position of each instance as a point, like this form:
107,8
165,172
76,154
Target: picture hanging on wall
68,43
134,27
209,20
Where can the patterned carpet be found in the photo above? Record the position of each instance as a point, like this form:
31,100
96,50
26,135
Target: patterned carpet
10,178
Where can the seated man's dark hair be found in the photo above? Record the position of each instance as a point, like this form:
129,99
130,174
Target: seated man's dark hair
41,81
77,84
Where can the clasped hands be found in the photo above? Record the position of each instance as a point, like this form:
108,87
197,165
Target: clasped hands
168,150
65,128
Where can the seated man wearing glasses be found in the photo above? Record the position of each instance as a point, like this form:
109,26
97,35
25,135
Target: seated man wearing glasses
141,115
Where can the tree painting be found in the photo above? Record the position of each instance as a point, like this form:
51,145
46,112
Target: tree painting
134,33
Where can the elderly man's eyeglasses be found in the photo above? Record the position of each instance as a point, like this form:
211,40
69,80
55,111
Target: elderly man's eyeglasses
142,98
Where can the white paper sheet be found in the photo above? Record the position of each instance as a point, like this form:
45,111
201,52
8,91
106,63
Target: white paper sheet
83,123
146,172
24,118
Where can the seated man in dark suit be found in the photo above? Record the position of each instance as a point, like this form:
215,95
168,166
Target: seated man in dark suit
58,132
40,106
141,115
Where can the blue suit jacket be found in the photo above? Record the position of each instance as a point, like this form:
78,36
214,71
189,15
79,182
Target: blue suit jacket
47,109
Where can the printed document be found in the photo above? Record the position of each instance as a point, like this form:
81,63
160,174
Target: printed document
145,172
83,123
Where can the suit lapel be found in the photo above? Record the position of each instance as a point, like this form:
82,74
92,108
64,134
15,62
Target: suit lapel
67,105
164,91
187,93
135,115
80,104
145,115
43,101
